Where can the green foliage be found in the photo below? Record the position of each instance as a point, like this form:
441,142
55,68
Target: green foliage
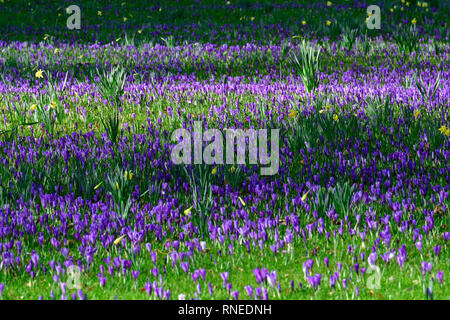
307,64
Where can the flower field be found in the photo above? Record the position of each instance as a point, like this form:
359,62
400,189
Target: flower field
92,205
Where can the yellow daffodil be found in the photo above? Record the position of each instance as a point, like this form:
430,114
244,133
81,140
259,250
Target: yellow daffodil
416,114
53,104
130,175
329,4
117,40
242,201
305,195
117,241
327,107
336,118
252,18
56,51
125,19
293,113
414,21
34,106
233,169
328,22
403,1
97,186
442,129
304,22
321,110
117,186
99,13
214,171
447,132
39,74
419,3
392,10
424,4
407,3
188,210
140,31
228,3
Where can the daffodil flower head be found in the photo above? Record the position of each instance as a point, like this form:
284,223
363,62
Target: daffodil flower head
117,241
188,210
97,186
305,195
292,114
39,74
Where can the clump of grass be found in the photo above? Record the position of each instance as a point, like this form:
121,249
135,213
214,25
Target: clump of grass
112,87
307,64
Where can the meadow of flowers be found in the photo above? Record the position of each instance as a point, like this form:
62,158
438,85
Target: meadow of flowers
93,207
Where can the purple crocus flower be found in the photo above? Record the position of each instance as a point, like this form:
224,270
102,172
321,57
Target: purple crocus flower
102,280
211,292
148,288
372,259
184,266
235,295
439,276
272,279
249,290
419,245
265,295
326,261
2,288
332,281
153,256
258,275
225,276
344,283
426,267
135,274
81,295
63,287
437,250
